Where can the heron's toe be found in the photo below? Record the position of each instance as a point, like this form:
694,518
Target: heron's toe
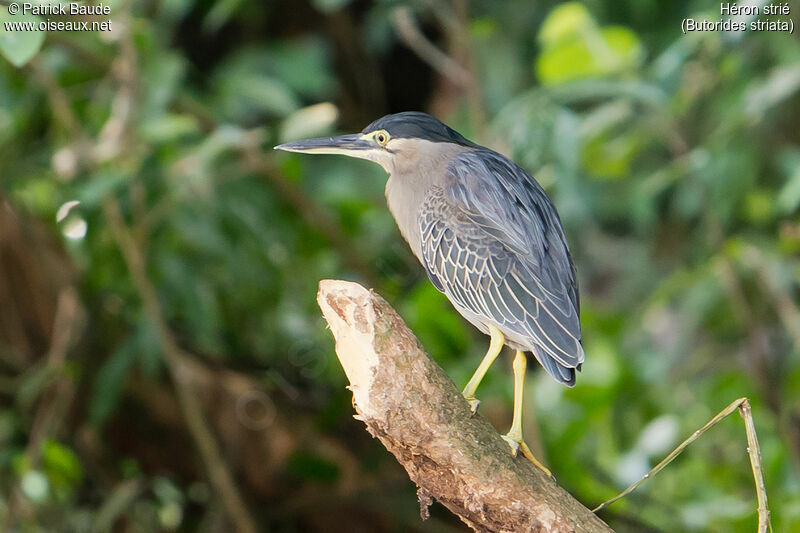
518,445
513,443
473,404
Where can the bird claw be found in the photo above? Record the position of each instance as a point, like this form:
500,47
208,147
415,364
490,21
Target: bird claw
518,445
473,404
513,443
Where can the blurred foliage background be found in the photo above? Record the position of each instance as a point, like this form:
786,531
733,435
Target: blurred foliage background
163,364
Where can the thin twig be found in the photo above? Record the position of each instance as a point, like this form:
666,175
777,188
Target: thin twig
453,17
65,323
57,397
753,451
59,100
109,146
757,339
787,310
462,49
219,474
412,36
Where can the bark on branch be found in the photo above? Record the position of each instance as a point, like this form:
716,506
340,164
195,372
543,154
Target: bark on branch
408,402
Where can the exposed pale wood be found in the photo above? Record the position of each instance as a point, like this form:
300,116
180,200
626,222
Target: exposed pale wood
408,402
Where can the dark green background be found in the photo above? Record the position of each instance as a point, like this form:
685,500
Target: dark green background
673,160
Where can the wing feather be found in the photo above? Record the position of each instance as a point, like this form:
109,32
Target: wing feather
492,242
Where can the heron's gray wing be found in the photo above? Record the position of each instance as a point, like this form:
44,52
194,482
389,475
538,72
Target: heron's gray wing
492,242
510,204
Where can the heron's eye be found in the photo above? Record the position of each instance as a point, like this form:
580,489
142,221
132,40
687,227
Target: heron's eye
382,138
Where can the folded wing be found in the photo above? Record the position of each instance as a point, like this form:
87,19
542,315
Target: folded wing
493,244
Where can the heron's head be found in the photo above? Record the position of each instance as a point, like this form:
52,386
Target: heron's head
399,139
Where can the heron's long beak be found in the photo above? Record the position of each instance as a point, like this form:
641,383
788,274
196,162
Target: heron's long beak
353,145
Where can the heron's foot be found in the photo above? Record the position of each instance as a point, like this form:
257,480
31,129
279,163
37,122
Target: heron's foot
473,403
518,445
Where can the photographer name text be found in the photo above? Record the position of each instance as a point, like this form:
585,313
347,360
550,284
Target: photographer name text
27,10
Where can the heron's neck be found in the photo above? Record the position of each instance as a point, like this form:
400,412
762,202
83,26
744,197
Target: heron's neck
410,181
404,195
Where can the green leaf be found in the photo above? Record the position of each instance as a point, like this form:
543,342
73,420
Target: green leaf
107,386
575,48
311,121
244,93
609,51
160,80
304,66
759,206
92,192
61,465
565,22
169,127
220,14
610,158
782,83
626,51
789,195
20,45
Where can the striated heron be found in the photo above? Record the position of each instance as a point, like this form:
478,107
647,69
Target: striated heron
489,238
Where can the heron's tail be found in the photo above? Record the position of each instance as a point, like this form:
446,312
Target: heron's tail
562,374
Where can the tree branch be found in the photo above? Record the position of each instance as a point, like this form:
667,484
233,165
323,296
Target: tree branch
408,402
176,359
408,31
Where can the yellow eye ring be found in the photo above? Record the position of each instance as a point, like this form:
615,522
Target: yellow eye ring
381,137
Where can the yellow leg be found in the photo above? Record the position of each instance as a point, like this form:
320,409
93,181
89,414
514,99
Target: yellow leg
495,346
514,435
